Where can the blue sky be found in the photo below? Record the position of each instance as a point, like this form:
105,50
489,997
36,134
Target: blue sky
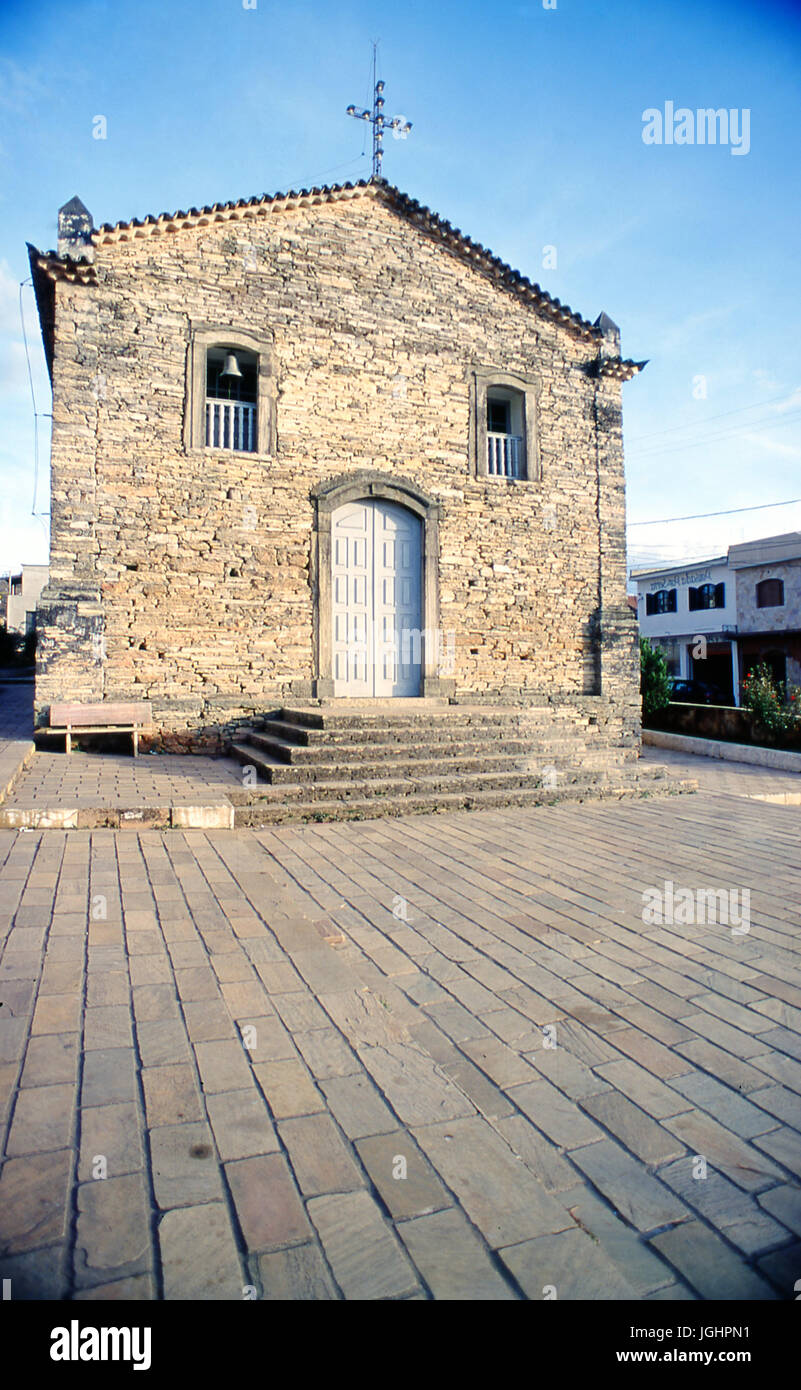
527,134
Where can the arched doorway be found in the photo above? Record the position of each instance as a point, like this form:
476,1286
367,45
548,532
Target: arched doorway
376,599
375,572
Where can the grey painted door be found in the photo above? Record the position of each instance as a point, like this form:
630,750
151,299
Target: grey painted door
376,556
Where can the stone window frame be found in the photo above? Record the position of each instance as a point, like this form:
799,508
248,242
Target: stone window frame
364,485
482,380
204,336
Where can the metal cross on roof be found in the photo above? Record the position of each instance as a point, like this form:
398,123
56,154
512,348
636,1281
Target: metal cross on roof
399,126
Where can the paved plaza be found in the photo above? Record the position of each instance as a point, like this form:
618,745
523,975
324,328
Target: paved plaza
433,1057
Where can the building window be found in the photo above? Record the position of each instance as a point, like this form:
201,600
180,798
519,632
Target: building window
503,427
770,593
708,596
231,399
230,392
505,441
15,586
30,622
664,601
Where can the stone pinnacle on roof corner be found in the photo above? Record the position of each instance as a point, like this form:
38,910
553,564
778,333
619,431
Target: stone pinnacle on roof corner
75,230
607,327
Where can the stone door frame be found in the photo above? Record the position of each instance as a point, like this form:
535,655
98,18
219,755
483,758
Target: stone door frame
364,485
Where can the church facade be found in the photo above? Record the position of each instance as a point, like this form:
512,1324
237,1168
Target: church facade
323,446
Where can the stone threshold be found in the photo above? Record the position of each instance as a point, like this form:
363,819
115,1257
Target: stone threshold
219,816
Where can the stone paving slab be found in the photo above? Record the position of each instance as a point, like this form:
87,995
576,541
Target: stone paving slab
53,790
730,778
16,727
207,1083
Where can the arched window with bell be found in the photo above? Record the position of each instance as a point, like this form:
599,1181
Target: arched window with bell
230,392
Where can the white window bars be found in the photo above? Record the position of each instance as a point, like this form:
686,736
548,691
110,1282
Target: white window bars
231,425
505,455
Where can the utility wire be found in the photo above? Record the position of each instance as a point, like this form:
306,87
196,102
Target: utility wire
668,562
309,182
34,512
701,516
702,443
724,415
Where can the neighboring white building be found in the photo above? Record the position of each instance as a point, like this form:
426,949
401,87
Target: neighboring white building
678,606
23,596
745,604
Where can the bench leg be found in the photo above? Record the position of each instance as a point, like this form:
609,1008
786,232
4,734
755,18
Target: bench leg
136,742
69,742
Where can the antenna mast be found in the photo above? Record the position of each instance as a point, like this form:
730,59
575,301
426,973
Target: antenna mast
399,126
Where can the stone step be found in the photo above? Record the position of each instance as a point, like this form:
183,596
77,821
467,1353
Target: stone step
438,779
654,772
420,733
369,704
409,765
425,802
447,717
320,754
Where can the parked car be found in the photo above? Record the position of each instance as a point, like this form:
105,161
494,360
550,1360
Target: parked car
694,692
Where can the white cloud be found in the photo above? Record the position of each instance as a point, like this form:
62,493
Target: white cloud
688,330
792,403
13,369
772,446
9,302
22,90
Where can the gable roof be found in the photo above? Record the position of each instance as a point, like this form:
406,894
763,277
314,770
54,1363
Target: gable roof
82,270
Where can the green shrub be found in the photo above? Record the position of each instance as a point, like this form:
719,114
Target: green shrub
654,679
773,718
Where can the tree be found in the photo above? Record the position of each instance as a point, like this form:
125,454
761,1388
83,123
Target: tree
654,679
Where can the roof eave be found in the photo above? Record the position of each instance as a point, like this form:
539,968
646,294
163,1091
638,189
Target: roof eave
472,252
458,243
45,295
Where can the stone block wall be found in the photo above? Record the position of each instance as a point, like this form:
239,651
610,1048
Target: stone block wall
185,576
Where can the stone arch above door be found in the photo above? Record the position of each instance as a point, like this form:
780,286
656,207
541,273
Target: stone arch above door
352,487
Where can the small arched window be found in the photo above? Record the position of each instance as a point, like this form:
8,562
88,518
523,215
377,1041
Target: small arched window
231,399
664,601
503,426
230,391
506,442
707,596
770,593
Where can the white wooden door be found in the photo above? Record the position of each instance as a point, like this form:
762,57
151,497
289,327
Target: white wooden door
376,556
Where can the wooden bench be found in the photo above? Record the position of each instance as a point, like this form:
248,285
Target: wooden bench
107,718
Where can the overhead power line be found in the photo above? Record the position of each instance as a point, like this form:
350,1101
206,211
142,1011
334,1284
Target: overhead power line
730,511
673,429
703,442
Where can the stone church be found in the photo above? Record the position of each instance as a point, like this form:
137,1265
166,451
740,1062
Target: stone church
322,447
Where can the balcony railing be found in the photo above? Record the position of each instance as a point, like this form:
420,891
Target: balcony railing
231,425
505,455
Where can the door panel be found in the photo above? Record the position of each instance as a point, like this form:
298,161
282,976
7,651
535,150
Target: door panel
377,600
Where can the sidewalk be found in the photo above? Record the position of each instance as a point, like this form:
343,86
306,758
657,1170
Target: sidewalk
47,789
89,790
730,778
316,1061
16,727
